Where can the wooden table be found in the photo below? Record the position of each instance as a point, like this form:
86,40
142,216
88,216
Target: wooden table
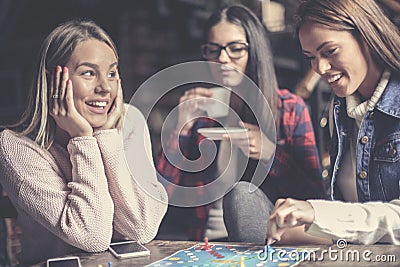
161,249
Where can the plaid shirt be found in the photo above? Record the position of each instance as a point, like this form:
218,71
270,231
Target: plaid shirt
295,172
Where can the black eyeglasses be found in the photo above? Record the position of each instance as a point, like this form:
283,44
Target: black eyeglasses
235,50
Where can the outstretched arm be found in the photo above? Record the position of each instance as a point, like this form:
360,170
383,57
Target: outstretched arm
365,223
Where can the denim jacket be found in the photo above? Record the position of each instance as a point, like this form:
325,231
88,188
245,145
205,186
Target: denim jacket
378,146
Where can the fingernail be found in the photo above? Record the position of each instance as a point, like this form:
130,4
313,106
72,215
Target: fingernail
58,69
65,70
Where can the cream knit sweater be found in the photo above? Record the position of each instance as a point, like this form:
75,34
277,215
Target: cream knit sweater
77,196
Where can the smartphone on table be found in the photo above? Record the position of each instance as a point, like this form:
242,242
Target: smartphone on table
64,262
128,249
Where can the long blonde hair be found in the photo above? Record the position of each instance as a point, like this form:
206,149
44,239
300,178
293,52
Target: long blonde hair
56,50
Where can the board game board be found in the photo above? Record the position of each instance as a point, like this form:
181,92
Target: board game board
235,256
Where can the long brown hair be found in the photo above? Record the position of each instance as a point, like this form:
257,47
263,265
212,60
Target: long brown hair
362,17
56,50
260,67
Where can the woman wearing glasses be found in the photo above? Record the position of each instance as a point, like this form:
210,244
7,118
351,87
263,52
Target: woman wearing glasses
236,40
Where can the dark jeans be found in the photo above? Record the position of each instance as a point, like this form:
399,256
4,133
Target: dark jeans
246,214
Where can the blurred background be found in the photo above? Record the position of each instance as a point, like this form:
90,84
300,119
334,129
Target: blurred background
152,35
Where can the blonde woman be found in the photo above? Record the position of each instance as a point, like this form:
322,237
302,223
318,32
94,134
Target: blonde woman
63,165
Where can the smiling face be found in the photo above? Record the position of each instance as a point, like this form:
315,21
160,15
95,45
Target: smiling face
222,34
94,76
340,59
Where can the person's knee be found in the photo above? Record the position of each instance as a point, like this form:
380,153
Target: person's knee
239,190
245,194
233,201
236,197
245,213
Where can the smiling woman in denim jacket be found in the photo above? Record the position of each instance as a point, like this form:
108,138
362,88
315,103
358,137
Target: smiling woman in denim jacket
355,48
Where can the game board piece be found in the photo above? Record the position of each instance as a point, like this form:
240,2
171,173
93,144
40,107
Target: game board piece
206,245
242,262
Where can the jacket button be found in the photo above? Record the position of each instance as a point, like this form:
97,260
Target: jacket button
363,175
364,139
323,122
392,150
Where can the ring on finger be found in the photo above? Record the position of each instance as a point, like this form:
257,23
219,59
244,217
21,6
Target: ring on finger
55,96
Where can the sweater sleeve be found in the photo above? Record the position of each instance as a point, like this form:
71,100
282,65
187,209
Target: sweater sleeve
365,223
140,201
79,212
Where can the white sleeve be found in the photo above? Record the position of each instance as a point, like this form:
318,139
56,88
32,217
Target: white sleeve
140,201
365,223
138,153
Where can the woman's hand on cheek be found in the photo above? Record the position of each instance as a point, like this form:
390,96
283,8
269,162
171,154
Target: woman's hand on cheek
62,107
116,111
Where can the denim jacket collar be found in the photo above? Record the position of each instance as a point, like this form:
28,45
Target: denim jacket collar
390,99
389,102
